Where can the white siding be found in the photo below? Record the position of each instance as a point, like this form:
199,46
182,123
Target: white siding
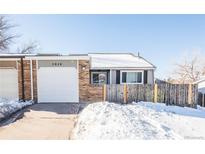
113,76
201,87
150,77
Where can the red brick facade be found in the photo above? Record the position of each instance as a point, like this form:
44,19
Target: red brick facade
27,79
88,92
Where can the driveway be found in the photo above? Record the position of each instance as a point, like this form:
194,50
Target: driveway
42,121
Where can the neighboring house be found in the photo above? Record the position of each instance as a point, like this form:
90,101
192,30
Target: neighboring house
159,81
201,90
201,85
69,78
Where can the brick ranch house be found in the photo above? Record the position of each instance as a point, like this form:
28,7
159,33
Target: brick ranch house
69,78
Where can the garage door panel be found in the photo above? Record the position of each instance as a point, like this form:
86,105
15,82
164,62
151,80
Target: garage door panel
57,84
9,83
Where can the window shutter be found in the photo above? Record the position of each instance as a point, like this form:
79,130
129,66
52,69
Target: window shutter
145,76
118,77
124,76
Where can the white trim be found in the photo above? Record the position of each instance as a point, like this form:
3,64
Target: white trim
110,76
37,81
17,68
122,68
58,58
121,71
31,74
78,91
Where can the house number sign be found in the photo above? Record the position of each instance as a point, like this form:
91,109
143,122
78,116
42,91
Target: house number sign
57,64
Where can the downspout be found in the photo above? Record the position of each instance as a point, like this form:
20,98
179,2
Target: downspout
22,78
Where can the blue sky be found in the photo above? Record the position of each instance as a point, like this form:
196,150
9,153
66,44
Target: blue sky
162,39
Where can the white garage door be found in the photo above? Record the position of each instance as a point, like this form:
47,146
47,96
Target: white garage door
57,84
9,83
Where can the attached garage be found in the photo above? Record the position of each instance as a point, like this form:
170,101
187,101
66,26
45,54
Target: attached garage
57,81
8,80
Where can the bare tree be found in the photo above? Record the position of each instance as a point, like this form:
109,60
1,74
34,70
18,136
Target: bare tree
28,48
190,69
5,37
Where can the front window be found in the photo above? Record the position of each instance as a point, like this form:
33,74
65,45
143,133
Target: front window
98,77
132,77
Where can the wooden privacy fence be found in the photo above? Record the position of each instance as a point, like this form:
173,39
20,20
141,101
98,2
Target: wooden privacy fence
171,94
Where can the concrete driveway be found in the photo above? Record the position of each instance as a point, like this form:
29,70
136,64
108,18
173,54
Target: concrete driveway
42,121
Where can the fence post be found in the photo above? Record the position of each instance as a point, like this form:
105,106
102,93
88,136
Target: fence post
125,93
155,92
202,104
190,94
104,92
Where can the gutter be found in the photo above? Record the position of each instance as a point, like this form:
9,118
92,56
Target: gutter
12,56
22,78
124,68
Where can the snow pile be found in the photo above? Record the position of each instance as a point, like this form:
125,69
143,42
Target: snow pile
143,120
7,107
186,111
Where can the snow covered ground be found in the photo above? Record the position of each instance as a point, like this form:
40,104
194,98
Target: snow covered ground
143,120
8,107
